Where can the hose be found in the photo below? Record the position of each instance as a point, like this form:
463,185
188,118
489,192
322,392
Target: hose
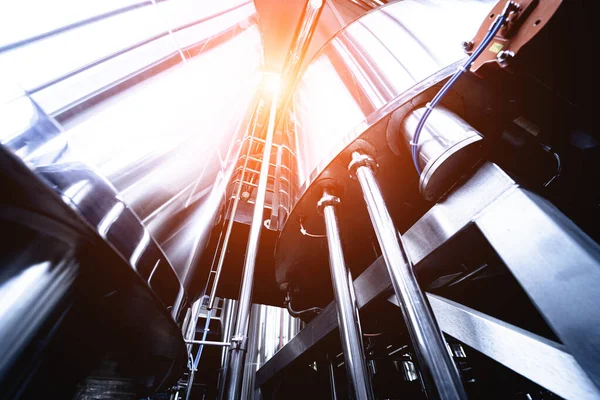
558,166
305,232
492,31
298,314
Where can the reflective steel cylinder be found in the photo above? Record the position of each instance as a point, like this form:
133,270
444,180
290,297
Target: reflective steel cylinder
446,147
437,368
345,301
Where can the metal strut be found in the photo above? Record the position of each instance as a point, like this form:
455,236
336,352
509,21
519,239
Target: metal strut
291,68
215,274
234,207
345,301
439,372
294,60
240,337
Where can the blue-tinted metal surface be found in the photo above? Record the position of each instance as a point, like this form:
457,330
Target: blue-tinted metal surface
37,140
151,122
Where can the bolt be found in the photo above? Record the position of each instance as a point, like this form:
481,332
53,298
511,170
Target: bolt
505,56
467,45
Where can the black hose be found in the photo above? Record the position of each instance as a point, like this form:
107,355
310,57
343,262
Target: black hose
298,314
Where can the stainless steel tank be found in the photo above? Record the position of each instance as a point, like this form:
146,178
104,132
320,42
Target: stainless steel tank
391,58
120,124
157,112
374,66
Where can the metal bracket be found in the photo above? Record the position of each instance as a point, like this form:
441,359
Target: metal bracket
238,342
361,160
327,200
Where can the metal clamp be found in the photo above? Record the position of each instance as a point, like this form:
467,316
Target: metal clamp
327,200
237,342
361,160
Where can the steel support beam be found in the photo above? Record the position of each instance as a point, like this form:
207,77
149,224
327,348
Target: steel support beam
544,362
208,343
538,359
557,265
546,252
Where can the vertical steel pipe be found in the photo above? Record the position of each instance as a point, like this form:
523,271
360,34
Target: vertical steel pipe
331,372
190,382
190,330
227,318
240,338
295,58
251,135
439,372
345,301
190,335
290,72
248,391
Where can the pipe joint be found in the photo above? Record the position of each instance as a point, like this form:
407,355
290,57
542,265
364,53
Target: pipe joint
327,200
361,160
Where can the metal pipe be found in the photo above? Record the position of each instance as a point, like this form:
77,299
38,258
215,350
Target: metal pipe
240,338
345,301
190,382
331,371
190,332
293,63
437,368
274,221
194,362
223,253
208,343
227,318
228,315
249,391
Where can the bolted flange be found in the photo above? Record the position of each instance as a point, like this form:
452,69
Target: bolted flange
327,200
361,160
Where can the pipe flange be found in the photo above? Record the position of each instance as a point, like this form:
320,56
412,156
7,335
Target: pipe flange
361,160
327,200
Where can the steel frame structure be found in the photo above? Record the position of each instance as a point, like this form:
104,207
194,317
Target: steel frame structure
559,258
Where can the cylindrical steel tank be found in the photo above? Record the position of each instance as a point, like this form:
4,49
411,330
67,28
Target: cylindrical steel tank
391,58
158,112
371,66
120,124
